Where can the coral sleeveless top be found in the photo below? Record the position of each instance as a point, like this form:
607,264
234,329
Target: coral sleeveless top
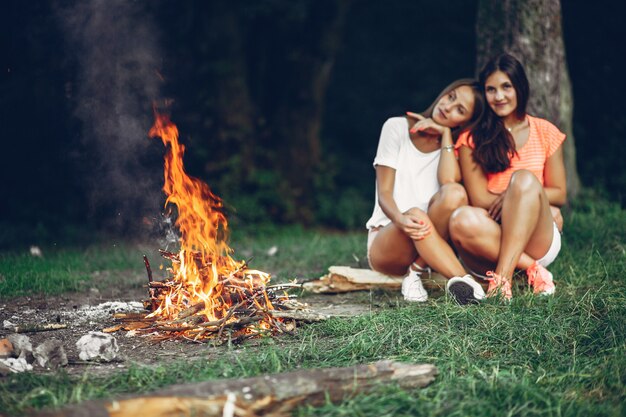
543,140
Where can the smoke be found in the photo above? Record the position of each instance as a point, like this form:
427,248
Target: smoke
114,46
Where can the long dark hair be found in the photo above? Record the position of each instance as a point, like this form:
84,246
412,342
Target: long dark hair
493,143
479,104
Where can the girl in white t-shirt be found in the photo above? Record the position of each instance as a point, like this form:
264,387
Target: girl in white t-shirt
417,189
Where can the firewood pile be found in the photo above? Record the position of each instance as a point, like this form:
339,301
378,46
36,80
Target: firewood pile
242,306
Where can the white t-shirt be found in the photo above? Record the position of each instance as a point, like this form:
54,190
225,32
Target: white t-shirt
416,172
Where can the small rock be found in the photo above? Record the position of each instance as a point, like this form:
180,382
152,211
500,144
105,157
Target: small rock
13,365
51,354
97,345
8,325
36,251
6,349
23,347
272,251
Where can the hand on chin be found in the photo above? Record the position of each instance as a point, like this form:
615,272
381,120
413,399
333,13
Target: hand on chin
430,132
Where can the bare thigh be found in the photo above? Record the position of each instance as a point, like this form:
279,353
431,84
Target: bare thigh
392,251
477,238
541,238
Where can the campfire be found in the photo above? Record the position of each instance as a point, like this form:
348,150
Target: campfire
208,295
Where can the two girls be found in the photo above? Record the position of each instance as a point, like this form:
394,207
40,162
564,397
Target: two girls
512,168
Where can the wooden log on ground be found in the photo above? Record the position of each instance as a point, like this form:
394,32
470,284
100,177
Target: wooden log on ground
307,316
270,395
346,279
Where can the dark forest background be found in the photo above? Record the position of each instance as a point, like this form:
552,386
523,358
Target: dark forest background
279,103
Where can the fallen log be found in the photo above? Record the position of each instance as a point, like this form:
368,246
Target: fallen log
346,279
270,395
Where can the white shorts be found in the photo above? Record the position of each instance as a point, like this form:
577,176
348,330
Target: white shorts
555,248
371,234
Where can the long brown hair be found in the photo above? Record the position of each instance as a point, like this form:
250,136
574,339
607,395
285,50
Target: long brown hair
479,104
493,143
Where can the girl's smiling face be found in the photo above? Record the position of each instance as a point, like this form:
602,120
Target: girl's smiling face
500,94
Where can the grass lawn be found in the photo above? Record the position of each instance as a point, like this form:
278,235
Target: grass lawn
555,356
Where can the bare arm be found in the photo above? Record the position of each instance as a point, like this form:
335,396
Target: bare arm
475,180
555,183
412,226
385,181
448,170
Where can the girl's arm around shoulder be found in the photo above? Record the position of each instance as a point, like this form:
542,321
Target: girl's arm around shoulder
474,180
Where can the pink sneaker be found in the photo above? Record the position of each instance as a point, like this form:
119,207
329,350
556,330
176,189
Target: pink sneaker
541,279
498,286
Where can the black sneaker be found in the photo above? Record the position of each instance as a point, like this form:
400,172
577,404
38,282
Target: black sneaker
465,290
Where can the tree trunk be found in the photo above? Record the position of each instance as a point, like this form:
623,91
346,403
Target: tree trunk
531,31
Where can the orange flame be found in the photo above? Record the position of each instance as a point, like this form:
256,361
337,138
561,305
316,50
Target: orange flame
204,263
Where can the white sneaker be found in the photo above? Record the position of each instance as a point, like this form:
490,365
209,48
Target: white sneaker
412,288
465,290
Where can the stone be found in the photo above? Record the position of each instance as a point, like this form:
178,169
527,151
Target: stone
14,365
97,346
23,347
51,354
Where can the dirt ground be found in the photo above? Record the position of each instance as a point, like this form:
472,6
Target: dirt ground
111,292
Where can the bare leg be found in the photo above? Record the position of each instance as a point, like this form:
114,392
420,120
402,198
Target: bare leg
441,206
527,222
449,198
477,238
392,251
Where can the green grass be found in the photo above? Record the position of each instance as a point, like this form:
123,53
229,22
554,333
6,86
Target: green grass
558,356
61,270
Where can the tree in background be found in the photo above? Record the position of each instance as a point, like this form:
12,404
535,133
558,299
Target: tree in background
531,31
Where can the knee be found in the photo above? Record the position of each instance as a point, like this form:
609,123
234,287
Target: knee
524,181
452,196
418,213
465,223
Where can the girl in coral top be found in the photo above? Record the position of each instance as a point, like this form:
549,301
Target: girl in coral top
513,171
417,189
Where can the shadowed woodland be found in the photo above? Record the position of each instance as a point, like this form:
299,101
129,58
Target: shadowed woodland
279,103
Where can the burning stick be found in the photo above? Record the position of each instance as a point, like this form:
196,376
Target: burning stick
39,328
148,269
150,288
